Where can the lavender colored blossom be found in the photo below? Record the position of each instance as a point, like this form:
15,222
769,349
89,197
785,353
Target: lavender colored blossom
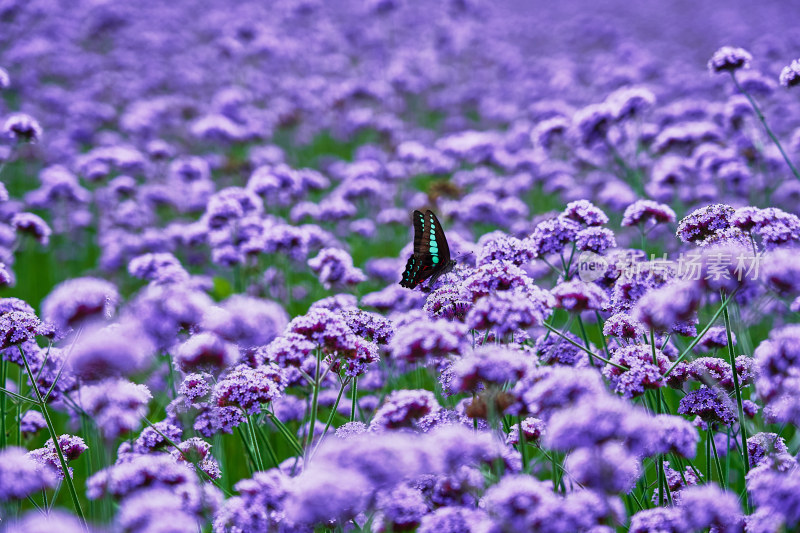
402,508
677,435
31,422
705,223
729,59
21,475
776,384
17,327
157,267
259,505
558,387
775,494
55,520
624,326
152,438
71,446
113,351
553,349
370,326
595,240
21,127
609,468
708,506
506,312
205,352
335,267
709,404
666,519
454,520
33,225
402,408
497,246
715,338
248,388
141,472
490,366
116,405
641,212
577,296
585,213
552,236
790,74
533,430
197,452
79,300
643,372
427,339
671,308
245,320
762,446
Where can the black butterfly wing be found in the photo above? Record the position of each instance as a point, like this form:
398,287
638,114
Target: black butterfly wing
431,252
441,240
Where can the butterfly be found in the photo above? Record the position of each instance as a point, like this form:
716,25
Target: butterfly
431,257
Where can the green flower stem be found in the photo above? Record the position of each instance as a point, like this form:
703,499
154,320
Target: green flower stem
738,390
314,405
16,396
250,455
602,336
267,444
354,398
723,306
708,454
585,338
763,120
252,430
3,370
660,461
330,417
522,450
591,354
290,438
717,462
53,435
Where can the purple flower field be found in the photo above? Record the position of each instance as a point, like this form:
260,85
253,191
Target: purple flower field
399,265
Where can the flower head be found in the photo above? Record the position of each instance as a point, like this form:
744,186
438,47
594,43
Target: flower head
729,59
335,267
506,312
709,404
641,212
790,75
22,128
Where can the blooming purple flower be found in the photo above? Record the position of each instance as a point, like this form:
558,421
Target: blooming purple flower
643,372
77,300
729,59
21,127
506,312
610,468
705,223
624,326
197,452
402,408
497,246
161,267
776,384
676,435
259,505
31,422
116,405
666,519
709,404
454,520
708,506
427,339
551,236
71,446
533,430
112,351
370,326
335,267
761,447
585,213
245,320
641,212
577,296
33,225
17,327
21,476
595,240
248,388
489,365
152,438
205,352
671,308
790,74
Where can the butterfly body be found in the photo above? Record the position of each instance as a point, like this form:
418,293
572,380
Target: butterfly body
431,256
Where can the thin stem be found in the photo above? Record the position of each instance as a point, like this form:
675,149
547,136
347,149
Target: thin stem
522,450
354,399
602,336
660,462
3,370
248,450
290,438
738,390
314,404
717,462
256,449
330,417
52,430
763,120
585,337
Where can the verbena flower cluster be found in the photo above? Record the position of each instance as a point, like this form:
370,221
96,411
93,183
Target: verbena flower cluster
206,210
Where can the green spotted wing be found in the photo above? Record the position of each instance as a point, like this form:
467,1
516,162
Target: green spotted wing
431,256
